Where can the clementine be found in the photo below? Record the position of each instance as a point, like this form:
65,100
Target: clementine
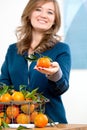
43,62
4,118
7,120
23,119
5,97
27,108
18,96
12,111
1,114
41,120
32,116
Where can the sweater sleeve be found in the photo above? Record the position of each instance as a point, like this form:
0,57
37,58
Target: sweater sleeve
4,76
60,83
55,77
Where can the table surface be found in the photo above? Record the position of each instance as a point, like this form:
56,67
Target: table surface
60,127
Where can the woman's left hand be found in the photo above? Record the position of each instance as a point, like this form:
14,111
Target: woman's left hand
54,67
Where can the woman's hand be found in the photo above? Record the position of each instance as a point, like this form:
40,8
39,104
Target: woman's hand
48,71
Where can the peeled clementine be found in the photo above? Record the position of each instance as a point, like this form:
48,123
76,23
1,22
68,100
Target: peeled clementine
41,120
43,62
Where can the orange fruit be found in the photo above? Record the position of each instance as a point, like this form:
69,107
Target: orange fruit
12,111
41,120
43,62
4,118
0,121
1,114
7,120
5,97
26,108
32,116
23,119
17,96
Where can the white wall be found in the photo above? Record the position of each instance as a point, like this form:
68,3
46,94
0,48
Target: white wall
10,13
75,98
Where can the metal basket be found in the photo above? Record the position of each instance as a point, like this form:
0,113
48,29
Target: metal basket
28,111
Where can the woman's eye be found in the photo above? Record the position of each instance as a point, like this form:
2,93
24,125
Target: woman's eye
38,9
49,12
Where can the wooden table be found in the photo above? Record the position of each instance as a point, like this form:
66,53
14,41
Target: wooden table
60,127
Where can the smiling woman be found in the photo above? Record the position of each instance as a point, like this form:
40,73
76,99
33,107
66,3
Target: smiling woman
43,17
37,35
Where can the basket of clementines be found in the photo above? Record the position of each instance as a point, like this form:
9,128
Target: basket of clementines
22,107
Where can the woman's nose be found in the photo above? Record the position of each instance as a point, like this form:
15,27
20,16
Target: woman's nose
43,14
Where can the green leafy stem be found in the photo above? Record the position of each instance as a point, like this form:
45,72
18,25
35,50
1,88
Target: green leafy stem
33,57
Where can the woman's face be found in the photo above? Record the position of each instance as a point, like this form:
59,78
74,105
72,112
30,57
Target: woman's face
43,17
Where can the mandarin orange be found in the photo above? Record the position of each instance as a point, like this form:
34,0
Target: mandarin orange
43,62
41,120
4,118
23,119
33,115
18,96
27,108
5,97
12,111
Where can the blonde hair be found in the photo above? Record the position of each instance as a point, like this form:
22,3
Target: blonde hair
24,32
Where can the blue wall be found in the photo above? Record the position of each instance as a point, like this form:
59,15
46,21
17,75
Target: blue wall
75,30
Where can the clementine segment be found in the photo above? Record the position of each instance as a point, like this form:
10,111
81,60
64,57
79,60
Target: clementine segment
41,120
43,62
12,111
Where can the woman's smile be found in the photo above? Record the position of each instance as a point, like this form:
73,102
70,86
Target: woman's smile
42,21
43,17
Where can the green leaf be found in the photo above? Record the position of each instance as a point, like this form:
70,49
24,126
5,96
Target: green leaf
33,92
5,125
3,89
22,87
11,89
22,127
32,57
32,95
0,127
27,95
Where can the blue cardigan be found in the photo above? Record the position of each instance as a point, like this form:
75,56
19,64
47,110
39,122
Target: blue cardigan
15,72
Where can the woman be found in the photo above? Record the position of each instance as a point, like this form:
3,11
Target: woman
41,21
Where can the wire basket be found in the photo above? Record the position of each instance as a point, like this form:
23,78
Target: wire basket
23,112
